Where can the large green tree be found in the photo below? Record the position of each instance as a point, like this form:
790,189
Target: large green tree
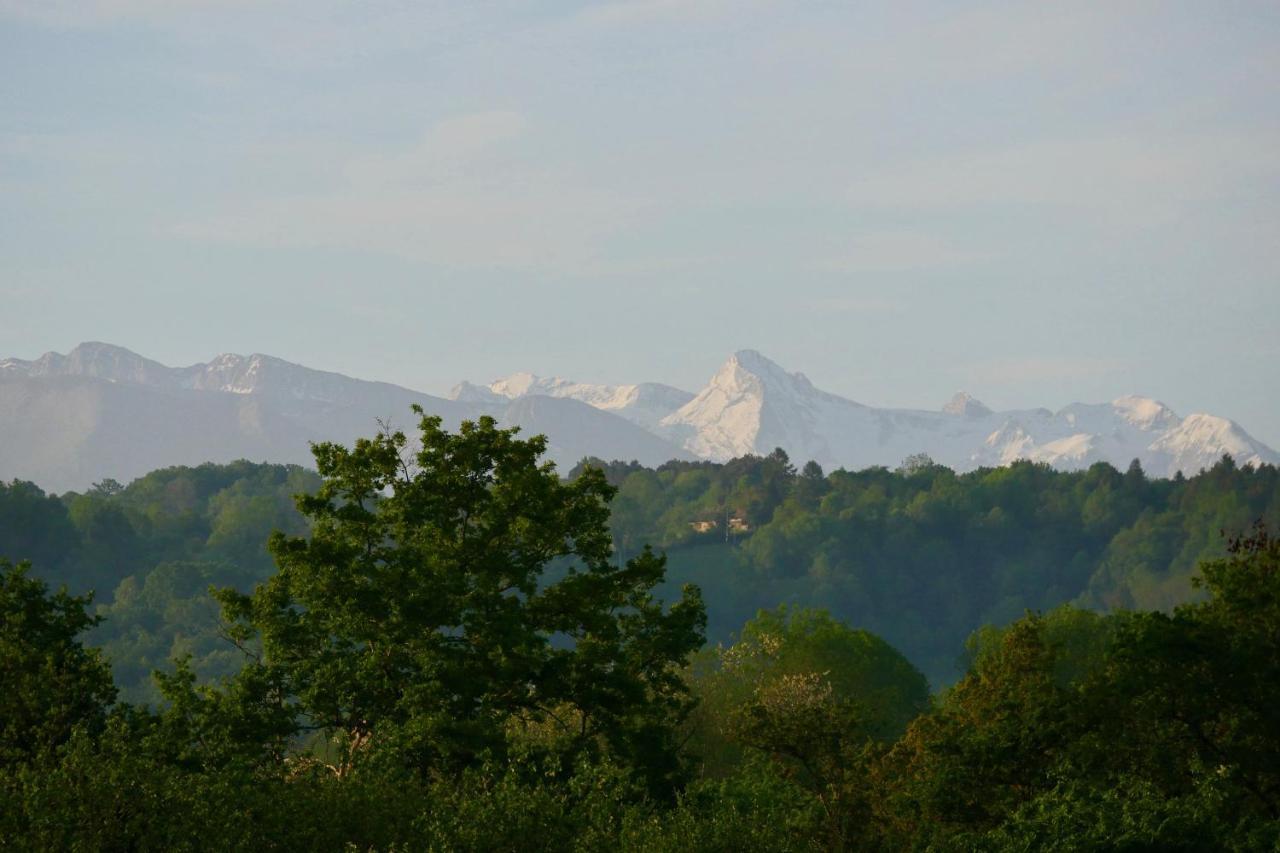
455,594
50,684
818,700
1138,730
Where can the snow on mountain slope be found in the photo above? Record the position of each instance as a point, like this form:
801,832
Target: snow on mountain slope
1127,428
1200,440
467,392
93,359
1144,413
103,411
645,404
257,374
751,405
965,406
575,429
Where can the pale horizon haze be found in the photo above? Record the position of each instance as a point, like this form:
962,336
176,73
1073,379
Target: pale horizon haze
1037,204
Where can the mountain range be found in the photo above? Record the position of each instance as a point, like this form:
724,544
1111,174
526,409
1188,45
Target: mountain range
103,411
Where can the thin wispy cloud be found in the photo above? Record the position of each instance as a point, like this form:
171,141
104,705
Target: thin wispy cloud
448,149
462,196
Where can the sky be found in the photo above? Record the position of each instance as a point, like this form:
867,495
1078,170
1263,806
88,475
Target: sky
1037,203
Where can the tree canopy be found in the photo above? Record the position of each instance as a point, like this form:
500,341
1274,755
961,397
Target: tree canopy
51,683
450,656
421,610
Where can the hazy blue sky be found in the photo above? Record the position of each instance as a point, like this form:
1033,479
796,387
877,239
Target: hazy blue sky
1036,202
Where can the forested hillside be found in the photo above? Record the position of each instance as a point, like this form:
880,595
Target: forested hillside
150,551
923,556
919,555
451,651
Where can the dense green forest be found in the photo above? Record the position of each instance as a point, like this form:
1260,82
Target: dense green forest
920,556
924,556
150,551
454,648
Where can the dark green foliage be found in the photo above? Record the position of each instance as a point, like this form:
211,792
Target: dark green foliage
788,663
417,618
105,532
150,551
457,652
34,526
920,556
820,700
1139,730
923,556
163,615
92,541
121,792
50,684
1135,731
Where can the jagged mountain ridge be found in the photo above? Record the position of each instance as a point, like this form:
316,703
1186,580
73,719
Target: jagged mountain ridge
104,411
753,405
100,411
645,404
257,374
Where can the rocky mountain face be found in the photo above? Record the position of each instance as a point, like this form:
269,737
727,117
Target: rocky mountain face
752,405
645,404
103,411
67,421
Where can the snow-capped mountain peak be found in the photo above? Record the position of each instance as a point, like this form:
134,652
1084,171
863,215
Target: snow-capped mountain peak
750,405
644,404
1200,440
231,373
1144,412
748,371
469,392
522,384
965,406
91,359
256,374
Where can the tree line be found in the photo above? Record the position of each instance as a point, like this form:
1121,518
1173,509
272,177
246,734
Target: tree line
922,555
919,555
450,651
